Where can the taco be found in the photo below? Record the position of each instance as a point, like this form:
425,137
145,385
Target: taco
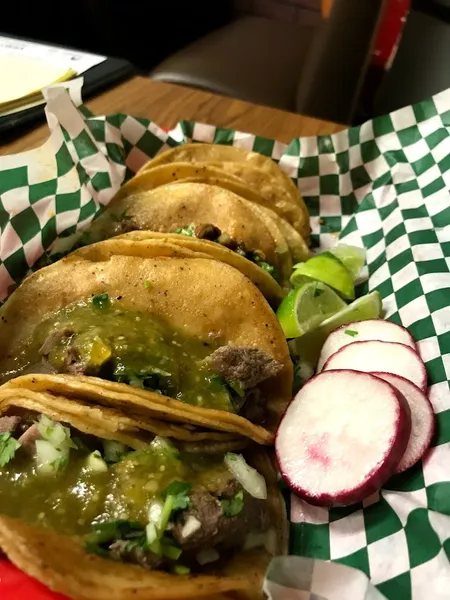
203,211
173,335
168,174
297,246
92,517
255,170
149,243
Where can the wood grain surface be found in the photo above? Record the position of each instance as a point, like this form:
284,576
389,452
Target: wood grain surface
167,104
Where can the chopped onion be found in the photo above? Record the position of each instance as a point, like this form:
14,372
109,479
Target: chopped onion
155,509
191,526
113,450
206,556
95,463
163,446
54,432
49,459
252,481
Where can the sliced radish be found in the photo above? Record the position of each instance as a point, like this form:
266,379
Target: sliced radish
422,419
364,331
386,357
342,437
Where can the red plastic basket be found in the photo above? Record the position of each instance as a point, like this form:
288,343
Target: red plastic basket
15,585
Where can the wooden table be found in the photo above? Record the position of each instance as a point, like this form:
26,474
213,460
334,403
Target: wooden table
167,104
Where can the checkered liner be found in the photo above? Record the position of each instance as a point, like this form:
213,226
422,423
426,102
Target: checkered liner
383,185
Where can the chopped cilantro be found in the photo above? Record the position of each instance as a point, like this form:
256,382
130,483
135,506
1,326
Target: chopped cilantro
153,379
80,445
254,257
181,570
147,283
351,332
233,506
169,549
104,534
8,447
217,384
101,301
178,490
266,267
60,463
115,530
237,387
190,230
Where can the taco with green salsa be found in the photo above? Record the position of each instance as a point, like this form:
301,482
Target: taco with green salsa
163,337
93,517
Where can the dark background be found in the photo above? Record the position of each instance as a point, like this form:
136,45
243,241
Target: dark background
144,32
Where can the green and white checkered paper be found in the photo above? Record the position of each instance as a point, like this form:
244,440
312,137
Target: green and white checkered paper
383,185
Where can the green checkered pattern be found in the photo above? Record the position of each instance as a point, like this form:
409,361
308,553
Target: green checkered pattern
383,185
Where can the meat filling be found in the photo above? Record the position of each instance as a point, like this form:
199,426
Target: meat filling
247,366
216,529
207,231
9,424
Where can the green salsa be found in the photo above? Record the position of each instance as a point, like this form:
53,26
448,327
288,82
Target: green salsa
73,498
100,337
157,507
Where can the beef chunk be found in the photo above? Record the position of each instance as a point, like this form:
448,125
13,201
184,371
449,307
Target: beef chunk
207,232
72,363
53,339
28,439
9,424
218,530
247,366
123,551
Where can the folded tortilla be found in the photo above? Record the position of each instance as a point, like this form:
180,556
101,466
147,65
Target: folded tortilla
74,556
212,322
195,208
149,243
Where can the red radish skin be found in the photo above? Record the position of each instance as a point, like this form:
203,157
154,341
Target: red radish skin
422,419
372,329
342,437
386,357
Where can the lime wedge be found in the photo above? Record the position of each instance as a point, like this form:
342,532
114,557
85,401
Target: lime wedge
351,257
328,269
304,308
308,347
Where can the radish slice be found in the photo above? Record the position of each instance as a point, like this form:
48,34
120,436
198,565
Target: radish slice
364,331
342,437
388,357
422,419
